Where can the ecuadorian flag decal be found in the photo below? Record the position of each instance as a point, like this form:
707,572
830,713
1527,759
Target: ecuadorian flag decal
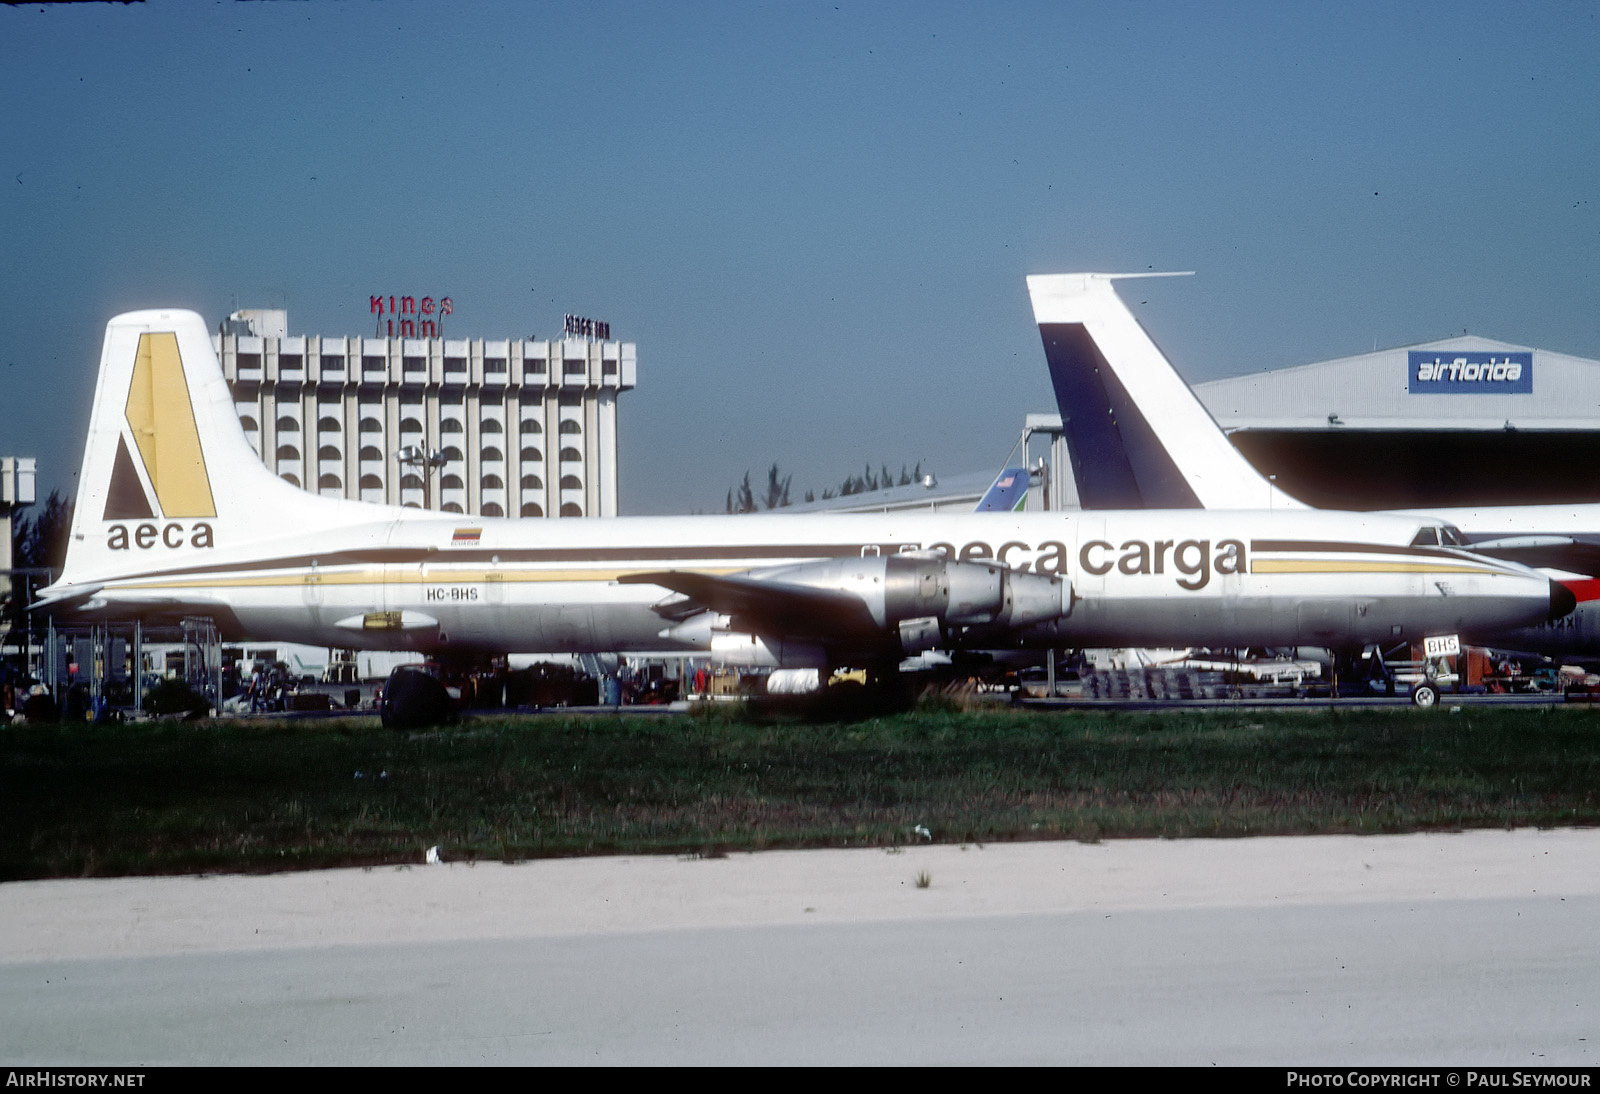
466,537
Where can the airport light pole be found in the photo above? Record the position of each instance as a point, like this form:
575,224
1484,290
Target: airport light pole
414,455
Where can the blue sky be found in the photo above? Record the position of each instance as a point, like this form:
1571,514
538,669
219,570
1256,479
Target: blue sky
814,219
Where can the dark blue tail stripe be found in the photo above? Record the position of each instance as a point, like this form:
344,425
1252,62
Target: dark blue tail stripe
1118,462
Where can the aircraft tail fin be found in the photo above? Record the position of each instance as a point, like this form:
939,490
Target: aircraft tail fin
168,475
1138,437
1007,494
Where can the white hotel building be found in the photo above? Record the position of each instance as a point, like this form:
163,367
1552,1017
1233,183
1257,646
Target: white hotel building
520,427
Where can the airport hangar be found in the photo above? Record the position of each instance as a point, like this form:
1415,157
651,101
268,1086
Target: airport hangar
1465,421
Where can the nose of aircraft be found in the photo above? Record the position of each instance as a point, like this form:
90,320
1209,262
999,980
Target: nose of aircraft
1561,600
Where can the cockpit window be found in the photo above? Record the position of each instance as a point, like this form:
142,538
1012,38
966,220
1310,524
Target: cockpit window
1435,535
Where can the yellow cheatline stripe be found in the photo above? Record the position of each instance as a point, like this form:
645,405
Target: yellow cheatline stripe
1355,566
403,577
407,576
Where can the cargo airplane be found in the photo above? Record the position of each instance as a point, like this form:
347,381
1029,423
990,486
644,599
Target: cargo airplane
177,516
1138,436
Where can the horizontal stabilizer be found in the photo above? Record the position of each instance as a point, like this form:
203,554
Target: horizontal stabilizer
67,597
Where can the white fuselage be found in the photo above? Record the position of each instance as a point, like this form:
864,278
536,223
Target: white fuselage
1198,578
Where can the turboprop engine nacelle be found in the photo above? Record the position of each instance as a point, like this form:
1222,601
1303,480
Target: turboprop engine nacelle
924,585
917,602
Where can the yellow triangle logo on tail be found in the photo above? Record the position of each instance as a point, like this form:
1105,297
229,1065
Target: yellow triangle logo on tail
161,418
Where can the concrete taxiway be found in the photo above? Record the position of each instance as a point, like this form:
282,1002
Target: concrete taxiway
1439,949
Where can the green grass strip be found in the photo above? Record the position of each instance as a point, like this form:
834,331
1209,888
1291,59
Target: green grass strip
176,797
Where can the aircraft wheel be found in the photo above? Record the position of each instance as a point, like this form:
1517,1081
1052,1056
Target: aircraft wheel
413,699
1425,695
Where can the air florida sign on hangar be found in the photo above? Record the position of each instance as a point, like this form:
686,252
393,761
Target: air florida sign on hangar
1463,373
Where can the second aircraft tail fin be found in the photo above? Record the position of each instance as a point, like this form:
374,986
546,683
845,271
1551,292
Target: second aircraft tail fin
1007,494
1138,437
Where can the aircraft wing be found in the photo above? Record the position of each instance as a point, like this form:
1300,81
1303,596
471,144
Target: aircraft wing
1575,553
768,607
